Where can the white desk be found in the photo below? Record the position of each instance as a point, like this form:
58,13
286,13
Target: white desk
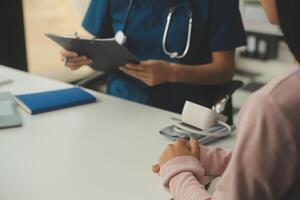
98,151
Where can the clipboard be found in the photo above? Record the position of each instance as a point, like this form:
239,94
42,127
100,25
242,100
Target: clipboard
107,54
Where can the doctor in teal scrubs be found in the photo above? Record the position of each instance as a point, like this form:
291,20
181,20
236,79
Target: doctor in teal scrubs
189,58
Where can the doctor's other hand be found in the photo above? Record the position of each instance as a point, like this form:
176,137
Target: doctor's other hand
74,61
151,72
180,148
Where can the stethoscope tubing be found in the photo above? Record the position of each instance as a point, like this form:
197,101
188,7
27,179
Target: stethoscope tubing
176,55
124,28
121,36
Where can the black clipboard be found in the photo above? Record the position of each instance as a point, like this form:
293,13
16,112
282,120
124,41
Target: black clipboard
107,54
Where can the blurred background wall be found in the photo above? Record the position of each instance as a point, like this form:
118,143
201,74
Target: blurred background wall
52,16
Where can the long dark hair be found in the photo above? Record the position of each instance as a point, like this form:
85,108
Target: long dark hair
289,19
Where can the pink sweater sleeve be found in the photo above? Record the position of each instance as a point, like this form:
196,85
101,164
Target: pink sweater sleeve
182,177
261,166
214,160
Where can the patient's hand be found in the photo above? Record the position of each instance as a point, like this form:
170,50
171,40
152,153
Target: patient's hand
180,148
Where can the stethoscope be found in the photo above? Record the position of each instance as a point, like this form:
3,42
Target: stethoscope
121,36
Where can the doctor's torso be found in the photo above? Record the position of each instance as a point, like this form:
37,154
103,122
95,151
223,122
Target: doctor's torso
147,25
217,26
147,22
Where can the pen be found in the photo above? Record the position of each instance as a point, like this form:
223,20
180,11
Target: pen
68,58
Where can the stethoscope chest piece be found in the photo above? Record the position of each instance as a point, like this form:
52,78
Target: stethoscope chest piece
120,37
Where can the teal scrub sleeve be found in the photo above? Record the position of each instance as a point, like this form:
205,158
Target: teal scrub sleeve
97,20
226,27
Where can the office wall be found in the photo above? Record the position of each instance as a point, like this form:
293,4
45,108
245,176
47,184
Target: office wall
52,16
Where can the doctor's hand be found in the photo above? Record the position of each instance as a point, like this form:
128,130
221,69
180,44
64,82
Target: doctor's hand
180,148
74,60
151,72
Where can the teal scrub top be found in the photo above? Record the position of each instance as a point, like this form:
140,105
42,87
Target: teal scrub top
217,26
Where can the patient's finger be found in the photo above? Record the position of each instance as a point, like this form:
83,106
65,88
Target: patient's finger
180,141
195,149
156,168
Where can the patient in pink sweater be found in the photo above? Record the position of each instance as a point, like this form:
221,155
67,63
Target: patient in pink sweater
265,162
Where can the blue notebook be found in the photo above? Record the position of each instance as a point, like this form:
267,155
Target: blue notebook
36,103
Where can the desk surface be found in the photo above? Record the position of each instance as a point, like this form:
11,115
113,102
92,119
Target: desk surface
98,151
